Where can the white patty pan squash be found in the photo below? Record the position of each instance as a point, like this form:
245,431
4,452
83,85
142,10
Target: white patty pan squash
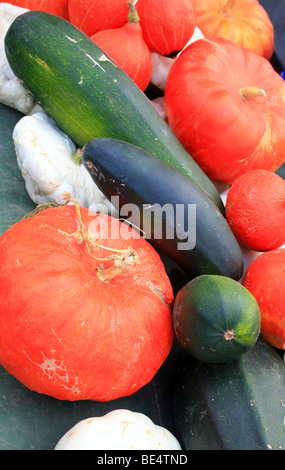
118,430
45,158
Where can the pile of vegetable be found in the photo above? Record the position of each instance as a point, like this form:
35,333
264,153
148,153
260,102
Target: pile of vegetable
148,139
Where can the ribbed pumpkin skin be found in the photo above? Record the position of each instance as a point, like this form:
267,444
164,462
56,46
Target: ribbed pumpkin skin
265,279
215,320
63,331
255,210
244,22
167,24
91,16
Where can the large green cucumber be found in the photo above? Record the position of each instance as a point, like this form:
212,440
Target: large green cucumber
88,95
171,211
235,406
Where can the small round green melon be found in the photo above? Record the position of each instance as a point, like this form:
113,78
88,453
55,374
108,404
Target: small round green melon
216,319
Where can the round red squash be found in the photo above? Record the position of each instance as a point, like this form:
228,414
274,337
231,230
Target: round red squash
167,24
85,305
265,279
244,22
226,106
255,210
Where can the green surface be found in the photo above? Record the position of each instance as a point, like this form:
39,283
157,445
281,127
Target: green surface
233,406
28,420
14,199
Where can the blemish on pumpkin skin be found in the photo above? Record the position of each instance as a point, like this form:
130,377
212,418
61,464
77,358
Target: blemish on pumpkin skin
50,367
57,371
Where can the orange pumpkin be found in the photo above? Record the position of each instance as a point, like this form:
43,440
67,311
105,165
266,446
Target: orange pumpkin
167,24
244,22
55,7
85,305
265,279
226,106
255,210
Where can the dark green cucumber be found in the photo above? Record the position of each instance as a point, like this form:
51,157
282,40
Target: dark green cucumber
88,95
171,211
233,406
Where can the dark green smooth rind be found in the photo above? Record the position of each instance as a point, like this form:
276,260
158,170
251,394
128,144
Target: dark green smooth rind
233,406
121,169
209,306
88,95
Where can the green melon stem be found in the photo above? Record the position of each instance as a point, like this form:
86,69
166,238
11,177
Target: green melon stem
133,17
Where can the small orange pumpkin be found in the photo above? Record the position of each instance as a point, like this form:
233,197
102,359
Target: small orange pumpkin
265,279
96,15
167,24
244,22
255,210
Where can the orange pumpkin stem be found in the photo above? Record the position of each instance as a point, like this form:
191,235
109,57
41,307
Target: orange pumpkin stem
123,259
120,265
251,92
133,17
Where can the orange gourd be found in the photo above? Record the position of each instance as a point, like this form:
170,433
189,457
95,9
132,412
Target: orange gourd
265,279
255,210
167,24
92,16
128,49
244,22
85,305
55,7
225,104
